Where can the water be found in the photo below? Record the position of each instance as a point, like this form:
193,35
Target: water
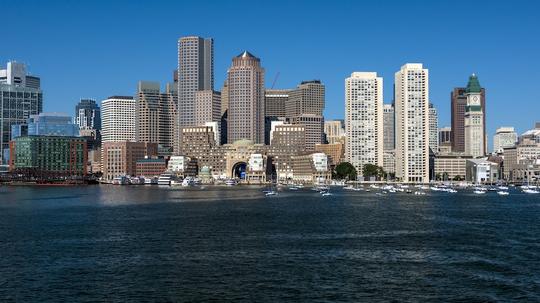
118,244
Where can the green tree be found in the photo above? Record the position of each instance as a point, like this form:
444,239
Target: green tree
458,178
345,170
370,170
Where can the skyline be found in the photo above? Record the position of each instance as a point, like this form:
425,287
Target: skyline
113,59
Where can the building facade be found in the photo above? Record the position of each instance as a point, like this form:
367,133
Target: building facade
305,106
412,123
88,114
246,111
504,137
49,156
275,101
118,119
20,97
364,119
120,158
334,131
458,99
433,128
207,107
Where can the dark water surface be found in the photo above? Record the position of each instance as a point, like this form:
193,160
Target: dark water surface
150,244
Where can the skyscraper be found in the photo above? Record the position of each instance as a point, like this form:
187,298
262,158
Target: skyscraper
389,122
433,129
458,99
88,114
474,119
195,72
207,107
20,97
275,101
305,106
364,119
412,123
334,130
155,114
118,119
245,79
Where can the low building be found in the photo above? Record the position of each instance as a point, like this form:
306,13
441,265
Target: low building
311,168
450,167
481,171
120,158
151,167
183,166
334,151
49,156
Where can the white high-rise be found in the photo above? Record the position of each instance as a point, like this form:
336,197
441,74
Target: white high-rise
505,137
118,114
474,119
412,123
364,119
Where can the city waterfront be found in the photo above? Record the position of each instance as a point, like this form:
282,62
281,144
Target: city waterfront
167,244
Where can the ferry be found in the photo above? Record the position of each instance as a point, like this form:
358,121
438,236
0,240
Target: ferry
165,179
121,180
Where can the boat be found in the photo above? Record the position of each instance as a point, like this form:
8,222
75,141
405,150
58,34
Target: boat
120,180
150,181
419,193
165,179
326,193
503,187
479,192
230,182
530,191
189,181
502,193
271,193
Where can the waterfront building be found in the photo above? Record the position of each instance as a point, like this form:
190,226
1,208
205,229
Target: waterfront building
48,156
313,168
433,128
118,119
287,138
481,171
182,166
195,72
334,131
504,137
20,97
52,124
449,167
305,106
88,114
245,80
334,151
364,119
120,158
207,107
151,167
458,99
522,161
412,123
275,101
475,143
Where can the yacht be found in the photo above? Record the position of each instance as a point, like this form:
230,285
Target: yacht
479,192
502,193
230,182
165,179
530,191
188,181
150,181
120,180
271,193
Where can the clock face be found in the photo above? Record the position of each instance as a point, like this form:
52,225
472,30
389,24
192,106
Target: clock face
475,98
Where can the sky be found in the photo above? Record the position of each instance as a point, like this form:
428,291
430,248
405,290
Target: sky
95,49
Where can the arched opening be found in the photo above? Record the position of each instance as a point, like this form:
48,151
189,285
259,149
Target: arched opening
239,170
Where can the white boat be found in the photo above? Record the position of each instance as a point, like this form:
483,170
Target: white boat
149,181
479,192
503,187
121,180
451,190
419,193
349,187
165,179
502,193
271,193
530,191
188,181
230,182
326,193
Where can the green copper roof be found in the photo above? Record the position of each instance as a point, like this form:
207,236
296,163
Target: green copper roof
473,86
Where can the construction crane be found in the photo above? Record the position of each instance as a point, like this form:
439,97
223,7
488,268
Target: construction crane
275,79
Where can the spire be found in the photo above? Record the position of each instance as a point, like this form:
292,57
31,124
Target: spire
246,54
474,85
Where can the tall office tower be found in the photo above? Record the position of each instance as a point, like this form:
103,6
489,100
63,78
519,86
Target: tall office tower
195,72
334,130
433,129
118,119
154,115
364,119
207,107
20,97
87,114
245,80
458,99
505,137
305,106
389,129
474,119
274,102
412,123
224,98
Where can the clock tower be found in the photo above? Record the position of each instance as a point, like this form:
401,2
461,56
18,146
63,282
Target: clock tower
474,119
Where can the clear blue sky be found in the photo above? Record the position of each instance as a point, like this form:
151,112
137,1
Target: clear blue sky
101,48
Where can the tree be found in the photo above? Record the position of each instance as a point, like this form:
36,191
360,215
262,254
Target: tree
445,176
458,178
370,170
345,170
